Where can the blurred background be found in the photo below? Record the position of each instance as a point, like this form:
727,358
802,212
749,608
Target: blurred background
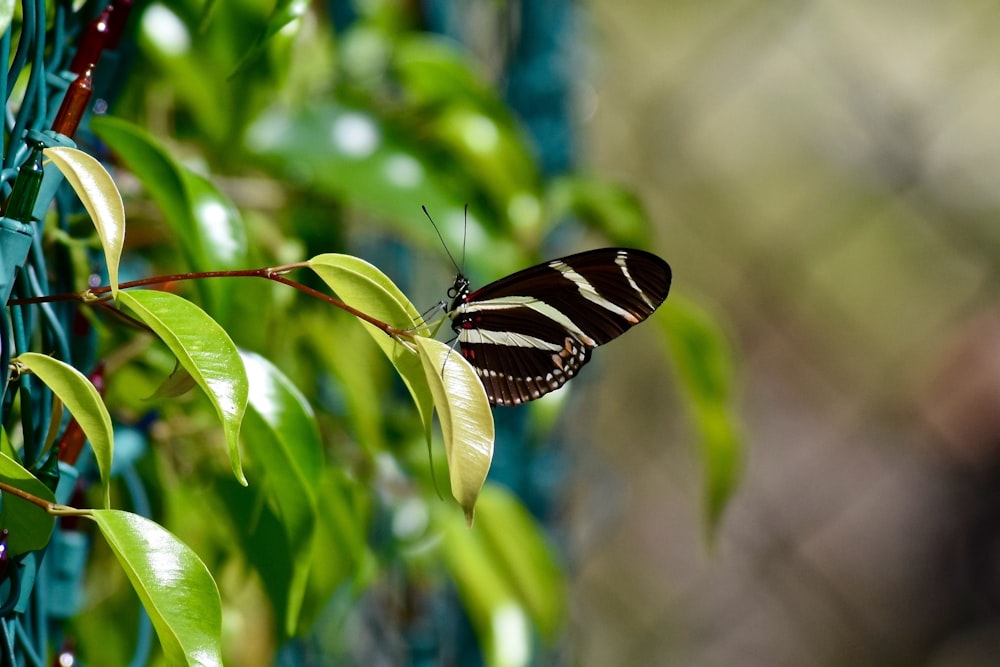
820,172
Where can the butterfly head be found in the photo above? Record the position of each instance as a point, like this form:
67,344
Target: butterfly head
459,291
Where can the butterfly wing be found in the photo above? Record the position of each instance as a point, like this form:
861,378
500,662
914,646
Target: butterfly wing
530,332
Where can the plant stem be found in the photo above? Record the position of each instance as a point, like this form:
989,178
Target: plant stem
275,273
24,495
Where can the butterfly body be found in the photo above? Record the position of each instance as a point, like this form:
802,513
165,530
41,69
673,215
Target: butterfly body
529,333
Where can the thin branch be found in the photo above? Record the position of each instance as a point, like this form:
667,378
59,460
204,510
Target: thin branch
276,274
31,498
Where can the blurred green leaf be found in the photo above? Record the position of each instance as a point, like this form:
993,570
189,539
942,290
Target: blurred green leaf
173,584
350,354
700,351
280,433
99,195
434,73
519,551
29,526
84,402
500,619
283,14
465,417
6,14
608,208
205,224
205,350
351,155
499,160
341,554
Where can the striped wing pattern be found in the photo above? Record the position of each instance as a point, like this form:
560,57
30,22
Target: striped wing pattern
529,333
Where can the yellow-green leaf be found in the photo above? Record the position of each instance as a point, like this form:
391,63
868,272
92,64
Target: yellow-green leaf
99,195
174,585
465,417
83,401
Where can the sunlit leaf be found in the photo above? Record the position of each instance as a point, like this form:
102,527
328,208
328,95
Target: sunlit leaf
29,526
83,401
174,585
205,351
99,195
465,417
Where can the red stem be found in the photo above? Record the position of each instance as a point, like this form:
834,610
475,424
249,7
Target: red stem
268,273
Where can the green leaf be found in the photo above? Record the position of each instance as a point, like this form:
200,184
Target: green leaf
173,584
206,225
701,354
349,354
612,210
362,286
501,621
205,351
284,12
29,526
465,417
282,435
352,155
99,195
519,551
6,14
83,401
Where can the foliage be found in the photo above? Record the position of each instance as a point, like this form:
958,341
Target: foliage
287,142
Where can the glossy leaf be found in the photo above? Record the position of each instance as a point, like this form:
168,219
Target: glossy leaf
205,224
29,526
281,434
99,195
704,365
362,286
205,351
83,401
465,418
173,584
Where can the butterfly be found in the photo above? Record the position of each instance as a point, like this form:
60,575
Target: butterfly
529,333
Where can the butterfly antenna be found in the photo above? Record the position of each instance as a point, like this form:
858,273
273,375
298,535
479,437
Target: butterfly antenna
445,245
465,236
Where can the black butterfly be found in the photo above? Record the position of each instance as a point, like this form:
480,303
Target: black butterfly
529,333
